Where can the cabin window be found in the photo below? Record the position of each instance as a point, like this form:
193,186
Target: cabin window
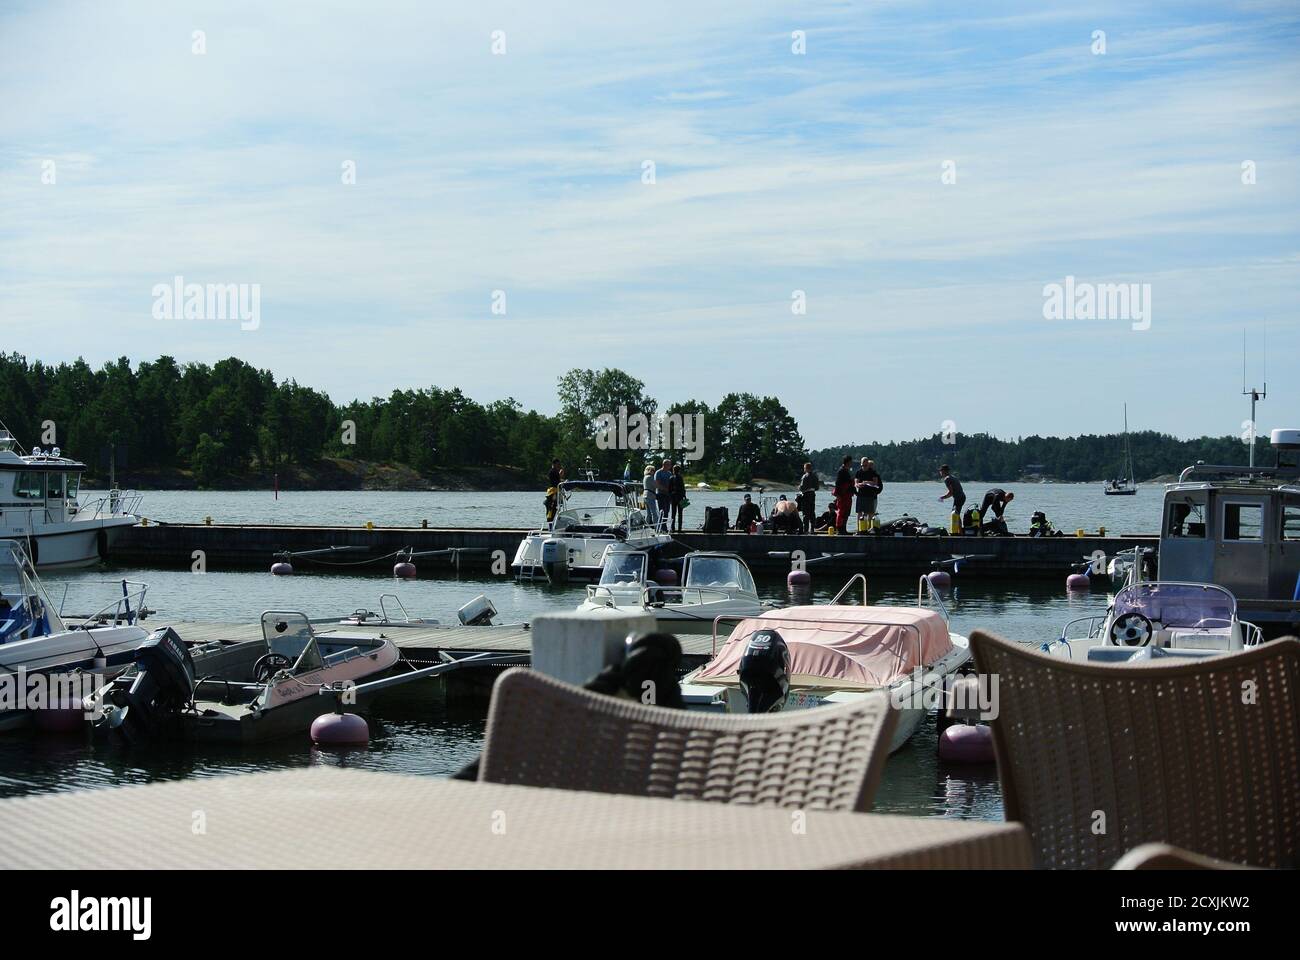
55,488
1291,521
74,485
1243,521
1186,519
30,484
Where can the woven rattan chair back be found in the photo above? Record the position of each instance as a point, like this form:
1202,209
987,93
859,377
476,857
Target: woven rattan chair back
545,733
1096,759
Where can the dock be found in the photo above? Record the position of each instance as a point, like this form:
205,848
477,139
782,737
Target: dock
485,551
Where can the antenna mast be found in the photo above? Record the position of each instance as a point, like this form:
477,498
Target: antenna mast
1255,395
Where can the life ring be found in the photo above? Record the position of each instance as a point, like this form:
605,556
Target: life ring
1131,629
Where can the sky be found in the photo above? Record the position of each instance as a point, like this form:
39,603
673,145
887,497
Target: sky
855,207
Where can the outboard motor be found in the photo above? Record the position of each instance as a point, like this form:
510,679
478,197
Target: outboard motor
765,672
143,705
555,560
478,612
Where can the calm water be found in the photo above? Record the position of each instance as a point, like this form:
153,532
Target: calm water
417,731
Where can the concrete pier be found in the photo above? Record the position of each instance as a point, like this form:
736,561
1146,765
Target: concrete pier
484,551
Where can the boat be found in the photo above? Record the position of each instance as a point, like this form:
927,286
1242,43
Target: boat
712,584
1152,619
839,653
261,689
1127,486
591,516
38,504
35,638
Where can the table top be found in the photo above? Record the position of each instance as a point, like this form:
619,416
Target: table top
321,817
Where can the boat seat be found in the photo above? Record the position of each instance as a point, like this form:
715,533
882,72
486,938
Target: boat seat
1106,654
341,656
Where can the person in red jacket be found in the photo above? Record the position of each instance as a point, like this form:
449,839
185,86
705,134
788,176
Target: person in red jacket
843,495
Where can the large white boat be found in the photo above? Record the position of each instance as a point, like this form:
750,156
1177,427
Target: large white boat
833,653
35,639
712,584
39,505
591,516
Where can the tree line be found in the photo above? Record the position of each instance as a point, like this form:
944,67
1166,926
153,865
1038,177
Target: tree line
229,420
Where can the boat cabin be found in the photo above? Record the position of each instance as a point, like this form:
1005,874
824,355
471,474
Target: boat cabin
41,484
1237,527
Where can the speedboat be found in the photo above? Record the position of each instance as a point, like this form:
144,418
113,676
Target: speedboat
838,653
256,690
712,584
1149,619
591,516
35,639
39,491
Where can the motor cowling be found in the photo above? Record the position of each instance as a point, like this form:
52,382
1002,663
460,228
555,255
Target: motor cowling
765,672
141,706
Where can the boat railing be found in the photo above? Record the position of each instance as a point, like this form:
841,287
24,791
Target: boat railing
856,578
655,595
123,503
128,608
1251,634
928,592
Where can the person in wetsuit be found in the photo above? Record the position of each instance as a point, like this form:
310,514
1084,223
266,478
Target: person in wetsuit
995,500
747,514
809,484
843,495
677,496
553,479
955,490
868,484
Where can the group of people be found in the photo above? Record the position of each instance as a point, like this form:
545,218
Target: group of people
665,494
854,491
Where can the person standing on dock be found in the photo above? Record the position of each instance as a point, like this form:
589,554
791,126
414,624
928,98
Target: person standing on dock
748,514
553,479
868,484
844,494
664,490
678,499
648,494
954,489
809,484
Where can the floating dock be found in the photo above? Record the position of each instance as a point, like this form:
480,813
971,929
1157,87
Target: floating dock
489,551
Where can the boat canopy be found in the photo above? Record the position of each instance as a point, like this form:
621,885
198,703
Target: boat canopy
1178,604
844,646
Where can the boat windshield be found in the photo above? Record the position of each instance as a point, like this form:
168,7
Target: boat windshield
22,601
587,510
719,572
1178,604
623,568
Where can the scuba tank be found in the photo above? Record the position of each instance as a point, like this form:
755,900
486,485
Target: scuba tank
954,523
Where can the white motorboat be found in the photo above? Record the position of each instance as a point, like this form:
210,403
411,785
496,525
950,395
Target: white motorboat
38,503
712,584
1155,618
839,653
35,639
591,516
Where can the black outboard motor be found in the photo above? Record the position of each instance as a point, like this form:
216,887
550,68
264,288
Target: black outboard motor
147,703
765,672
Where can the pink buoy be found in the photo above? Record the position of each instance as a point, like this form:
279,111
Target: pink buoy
666,577
939,579
1078,581
967,743
798,578
405,569
340,730
281,569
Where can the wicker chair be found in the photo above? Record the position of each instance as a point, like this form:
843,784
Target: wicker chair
545,733
1097,759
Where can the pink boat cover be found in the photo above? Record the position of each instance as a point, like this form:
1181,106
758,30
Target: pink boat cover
849,646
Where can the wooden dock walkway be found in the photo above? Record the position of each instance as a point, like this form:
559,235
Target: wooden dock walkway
484,551
416,643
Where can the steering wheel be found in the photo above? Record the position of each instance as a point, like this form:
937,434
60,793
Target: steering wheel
1131,629
268,665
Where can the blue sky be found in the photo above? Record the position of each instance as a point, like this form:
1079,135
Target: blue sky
774,172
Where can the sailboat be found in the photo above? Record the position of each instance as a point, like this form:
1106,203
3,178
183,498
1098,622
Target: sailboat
1126,487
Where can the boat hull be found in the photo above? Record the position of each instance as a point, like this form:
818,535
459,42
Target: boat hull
71,545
